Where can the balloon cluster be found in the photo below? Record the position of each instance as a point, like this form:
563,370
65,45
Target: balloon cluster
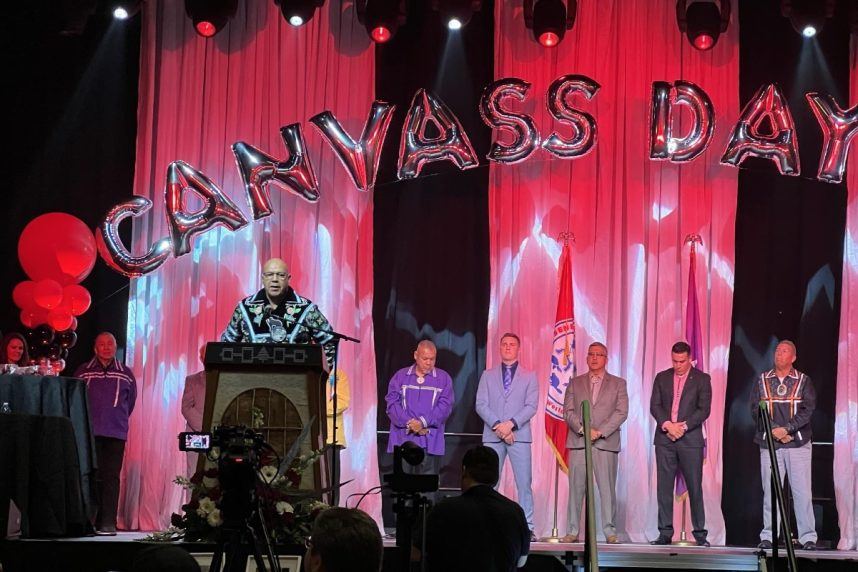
57,251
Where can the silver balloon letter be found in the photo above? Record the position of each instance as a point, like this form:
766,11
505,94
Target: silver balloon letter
259,169
218,209
416,149
583,124
114,253
778,143
663,114
838,128
524,132
360,158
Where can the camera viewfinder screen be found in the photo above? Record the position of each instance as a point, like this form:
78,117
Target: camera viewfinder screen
197,442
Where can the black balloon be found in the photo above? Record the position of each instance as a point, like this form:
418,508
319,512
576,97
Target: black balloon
54,351
44,336
64,354
67,338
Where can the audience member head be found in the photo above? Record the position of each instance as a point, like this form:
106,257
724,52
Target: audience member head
480,467
164,559
344,539
424,357
105,347
13,349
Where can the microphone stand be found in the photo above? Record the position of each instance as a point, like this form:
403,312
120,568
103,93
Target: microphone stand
335,455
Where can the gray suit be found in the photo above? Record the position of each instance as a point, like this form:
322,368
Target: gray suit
494,405
607,413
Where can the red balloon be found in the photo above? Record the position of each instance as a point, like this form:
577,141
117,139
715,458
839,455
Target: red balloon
60,319
76,299
48,294
22,295
32,318
58,246
73,324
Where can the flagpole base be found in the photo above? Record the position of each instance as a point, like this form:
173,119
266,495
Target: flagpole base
553,539
683,540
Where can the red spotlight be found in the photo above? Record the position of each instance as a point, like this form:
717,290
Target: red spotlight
380,34
381,18
549,19
206,29
703,42
549,39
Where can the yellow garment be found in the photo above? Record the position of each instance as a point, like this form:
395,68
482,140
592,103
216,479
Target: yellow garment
343,393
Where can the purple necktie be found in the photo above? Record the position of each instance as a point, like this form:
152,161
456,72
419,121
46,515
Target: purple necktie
507,379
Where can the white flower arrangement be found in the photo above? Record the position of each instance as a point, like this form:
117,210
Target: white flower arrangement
284,507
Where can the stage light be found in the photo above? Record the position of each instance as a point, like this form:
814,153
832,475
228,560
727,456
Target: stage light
456,13
210,16
549,19
381,18
703,21
808,16
124,9
299,12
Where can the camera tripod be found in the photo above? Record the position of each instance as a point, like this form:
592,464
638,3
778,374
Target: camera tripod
238,538
411,510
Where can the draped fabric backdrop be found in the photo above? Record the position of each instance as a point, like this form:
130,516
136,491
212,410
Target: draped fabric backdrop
846,404
630,216
197,97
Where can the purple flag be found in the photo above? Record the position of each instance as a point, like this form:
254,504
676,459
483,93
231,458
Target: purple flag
694,337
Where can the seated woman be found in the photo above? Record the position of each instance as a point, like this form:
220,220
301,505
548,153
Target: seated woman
13,349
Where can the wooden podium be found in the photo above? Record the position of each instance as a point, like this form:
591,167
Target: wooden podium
275,389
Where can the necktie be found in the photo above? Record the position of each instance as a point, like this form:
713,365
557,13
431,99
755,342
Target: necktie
507,379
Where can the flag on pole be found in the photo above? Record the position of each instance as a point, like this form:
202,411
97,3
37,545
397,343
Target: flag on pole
693,332
562,361
694,337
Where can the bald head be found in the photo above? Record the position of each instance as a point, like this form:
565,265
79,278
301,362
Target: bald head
424,357
275,280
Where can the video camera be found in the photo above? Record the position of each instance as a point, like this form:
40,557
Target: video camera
238,444
402,482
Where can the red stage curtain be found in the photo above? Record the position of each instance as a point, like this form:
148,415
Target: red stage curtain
630,216
197,97
846,401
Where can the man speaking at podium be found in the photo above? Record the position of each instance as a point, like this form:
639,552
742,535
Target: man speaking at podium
277,314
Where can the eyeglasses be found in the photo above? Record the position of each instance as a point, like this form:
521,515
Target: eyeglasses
594,354
281,275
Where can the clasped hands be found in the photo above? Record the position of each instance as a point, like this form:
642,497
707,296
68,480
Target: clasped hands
595,434
416,426
504,432
674,429
782,435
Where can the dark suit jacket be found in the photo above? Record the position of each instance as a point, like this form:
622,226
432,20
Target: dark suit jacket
479,530
694,405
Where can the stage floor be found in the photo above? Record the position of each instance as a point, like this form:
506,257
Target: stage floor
97,553
632,555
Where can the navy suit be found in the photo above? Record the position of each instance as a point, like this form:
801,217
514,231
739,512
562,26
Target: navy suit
686,453
520,404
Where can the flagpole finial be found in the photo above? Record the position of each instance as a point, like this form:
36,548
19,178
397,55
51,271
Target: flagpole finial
567,237
694,239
